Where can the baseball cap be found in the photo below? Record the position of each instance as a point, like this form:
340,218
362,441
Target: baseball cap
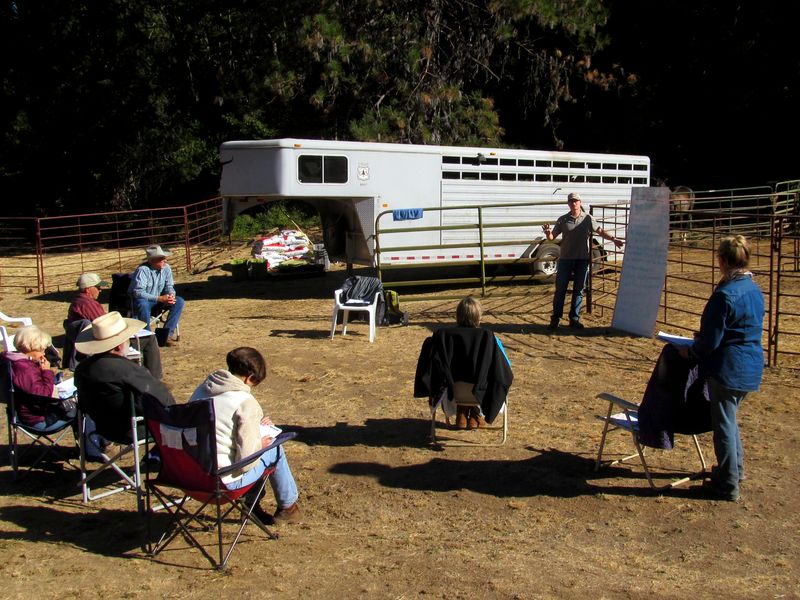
88,280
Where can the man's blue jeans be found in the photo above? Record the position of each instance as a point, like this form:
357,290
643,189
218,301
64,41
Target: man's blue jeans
144,309
574,270
282,480
727,443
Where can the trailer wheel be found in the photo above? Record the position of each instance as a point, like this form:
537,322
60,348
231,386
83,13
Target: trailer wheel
546,256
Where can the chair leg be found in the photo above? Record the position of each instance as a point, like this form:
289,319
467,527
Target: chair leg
334,320
345,316
700,453
603,438
371,314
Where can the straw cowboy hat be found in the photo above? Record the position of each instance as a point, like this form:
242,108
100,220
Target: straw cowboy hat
106,332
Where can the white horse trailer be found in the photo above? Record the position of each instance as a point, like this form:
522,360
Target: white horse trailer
352,184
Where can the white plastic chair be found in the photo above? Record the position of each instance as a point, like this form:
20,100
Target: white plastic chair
353,306
8,340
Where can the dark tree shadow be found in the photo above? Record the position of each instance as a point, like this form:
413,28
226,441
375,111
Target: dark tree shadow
550,472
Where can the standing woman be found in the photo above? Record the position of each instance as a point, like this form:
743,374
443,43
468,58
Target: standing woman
728,349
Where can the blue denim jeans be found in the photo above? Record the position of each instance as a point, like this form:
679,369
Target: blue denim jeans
574,270
727,443
282,481
144,309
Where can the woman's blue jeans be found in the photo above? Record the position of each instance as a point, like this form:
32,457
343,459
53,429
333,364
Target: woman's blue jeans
727,443
282,480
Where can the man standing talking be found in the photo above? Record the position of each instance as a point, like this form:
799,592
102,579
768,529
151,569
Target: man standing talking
576,229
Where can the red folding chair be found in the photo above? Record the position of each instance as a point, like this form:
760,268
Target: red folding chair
186,439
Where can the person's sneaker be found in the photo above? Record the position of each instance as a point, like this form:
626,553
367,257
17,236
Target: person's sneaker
711,491
576,324
553,324
288,514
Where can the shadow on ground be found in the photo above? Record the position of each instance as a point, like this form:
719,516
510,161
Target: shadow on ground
550,472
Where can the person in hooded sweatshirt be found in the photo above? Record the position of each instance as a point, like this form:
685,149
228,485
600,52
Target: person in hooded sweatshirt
238,431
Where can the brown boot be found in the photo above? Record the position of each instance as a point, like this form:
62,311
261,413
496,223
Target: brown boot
462,416
472,422
289,514
476,417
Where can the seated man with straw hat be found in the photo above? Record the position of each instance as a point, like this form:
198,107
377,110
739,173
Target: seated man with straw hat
105,379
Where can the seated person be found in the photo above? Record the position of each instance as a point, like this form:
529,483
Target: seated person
36,398
238,431
467,359
106,377
152,290
86,306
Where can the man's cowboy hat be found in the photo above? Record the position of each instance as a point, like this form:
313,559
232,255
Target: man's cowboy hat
156,252
106,332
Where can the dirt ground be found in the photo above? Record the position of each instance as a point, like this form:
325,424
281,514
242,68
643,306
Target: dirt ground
387,516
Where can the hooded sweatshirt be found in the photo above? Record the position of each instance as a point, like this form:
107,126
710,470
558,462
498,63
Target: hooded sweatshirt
237,419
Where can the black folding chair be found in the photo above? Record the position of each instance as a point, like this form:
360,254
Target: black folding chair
45,440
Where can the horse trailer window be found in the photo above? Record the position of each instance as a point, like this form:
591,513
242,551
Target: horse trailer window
592,179
508,177
640,167
490,176
640,180
469,175
543,163
451,160
451,175
508,162
593,165
560,178
335,169
309,169
525,177
523,162
622,167
560,164
543,177
577,165
319,169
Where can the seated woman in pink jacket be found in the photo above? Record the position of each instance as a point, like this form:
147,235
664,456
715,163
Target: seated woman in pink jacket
34,382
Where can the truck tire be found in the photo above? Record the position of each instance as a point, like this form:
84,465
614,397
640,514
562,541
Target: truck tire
547,255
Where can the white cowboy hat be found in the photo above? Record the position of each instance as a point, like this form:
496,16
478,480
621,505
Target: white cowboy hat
156,252
106,332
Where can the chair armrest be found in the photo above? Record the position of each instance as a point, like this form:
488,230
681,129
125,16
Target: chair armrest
26,321
283,437
618,401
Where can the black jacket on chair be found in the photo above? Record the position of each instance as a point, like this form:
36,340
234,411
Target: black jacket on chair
469,354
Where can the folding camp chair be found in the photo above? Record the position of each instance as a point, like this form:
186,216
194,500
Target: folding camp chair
112,462
353,306
45,440
628,420
186,438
